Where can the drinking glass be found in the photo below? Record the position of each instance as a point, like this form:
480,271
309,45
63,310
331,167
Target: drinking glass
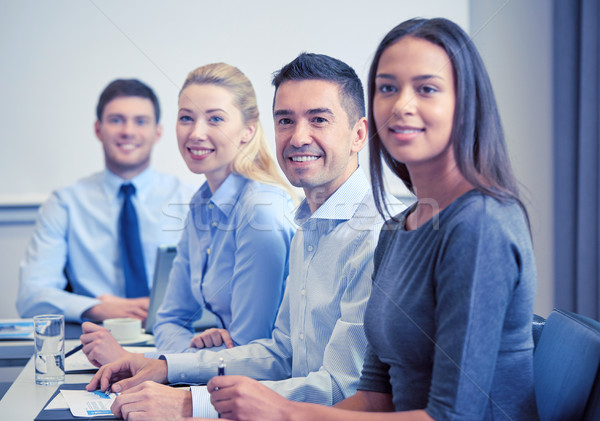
49,335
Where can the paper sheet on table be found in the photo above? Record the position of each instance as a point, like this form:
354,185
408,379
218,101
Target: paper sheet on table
88,404
79,362
58,402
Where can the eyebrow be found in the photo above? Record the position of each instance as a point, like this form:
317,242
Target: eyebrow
119,115
312,111
278,113
323,110
416,78
215,110
212,110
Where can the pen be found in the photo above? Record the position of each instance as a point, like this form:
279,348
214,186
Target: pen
221,370
107,392
74,350
221,367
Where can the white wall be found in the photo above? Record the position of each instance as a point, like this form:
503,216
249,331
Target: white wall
58,55
514,38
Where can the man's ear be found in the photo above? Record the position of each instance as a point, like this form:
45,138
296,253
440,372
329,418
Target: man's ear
360,132
97,130
159,132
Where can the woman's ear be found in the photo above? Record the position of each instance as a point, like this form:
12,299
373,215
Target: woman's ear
249,133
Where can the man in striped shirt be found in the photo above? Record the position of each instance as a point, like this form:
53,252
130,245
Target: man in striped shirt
316,352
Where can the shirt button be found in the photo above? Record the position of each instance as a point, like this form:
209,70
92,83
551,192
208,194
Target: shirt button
302,336
310,248
214,224
208,250
211,206
303,292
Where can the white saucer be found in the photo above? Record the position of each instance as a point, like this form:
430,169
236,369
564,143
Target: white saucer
142,339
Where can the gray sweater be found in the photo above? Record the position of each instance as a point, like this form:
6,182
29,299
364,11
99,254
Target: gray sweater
449,318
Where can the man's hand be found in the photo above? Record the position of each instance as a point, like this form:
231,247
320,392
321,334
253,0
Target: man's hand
111,307
153,401
99,345
242,398
127,372
212,337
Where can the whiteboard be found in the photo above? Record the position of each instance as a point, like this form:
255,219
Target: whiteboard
58,56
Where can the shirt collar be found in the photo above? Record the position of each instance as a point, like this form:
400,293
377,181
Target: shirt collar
342,204
142,182
226,195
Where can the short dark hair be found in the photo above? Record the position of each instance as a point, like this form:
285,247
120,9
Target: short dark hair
477,136
310,66
123,88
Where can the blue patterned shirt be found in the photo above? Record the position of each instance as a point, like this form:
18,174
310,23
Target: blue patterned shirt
318,344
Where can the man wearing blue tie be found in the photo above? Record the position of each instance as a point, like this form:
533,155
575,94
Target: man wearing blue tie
92,253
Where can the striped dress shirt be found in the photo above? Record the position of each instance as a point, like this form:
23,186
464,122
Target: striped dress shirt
318,344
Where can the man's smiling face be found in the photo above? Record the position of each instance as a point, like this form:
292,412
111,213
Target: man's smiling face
128,131
316,144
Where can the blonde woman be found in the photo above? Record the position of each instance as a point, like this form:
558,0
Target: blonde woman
232,259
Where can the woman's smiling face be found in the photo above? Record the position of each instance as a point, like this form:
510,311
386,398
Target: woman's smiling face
414,101
210,130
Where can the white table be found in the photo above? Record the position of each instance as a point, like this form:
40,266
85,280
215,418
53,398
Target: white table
25,399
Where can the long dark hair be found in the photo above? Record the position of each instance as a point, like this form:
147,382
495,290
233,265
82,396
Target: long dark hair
477,136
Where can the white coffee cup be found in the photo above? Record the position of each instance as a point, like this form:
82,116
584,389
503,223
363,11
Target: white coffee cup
124,329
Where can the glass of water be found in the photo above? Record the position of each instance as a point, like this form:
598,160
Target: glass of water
49,335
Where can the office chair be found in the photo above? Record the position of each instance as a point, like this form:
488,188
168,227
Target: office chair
565,363
537,327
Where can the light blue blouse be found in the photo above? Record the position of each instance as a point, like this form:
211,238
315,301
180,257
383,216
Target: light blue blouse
232,259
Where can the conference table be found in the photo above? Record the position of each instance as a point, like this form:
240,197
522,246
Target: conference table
25,399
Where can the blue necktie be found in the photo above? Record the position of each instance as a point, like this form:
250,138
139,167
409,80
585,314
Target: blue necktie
134,269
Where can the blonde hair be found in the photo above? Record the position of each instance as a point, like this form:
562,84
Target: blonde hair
253,160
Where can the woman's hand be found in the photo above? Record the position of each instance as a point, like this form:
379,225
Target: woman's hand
99,346
212,337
